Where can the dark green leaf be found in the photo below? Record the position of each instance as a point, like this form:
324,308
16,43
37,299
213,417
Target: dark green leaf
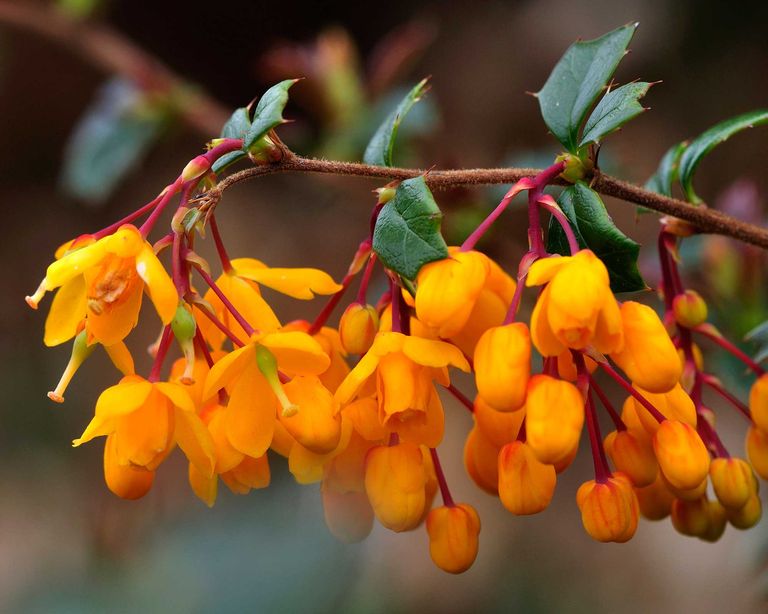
614,110
594,229
577,80
237,124
227,159
661,181
407,232
268,113
379,150
705,142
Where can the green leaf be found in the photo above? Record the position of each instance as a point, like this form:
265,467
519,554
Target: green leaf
268,113
227,159
379,149
407,232
705,142
661,181
237,125
594,229
614,110
577,80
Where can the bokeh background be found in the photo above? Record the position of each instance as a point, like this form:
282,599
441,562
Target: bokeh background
101,104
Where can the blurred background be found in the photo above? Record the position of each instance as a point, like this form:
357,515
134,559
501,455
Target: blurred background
102,102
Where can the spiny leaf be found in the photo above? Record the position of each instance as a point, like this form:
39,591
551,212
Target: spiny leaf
661,181
595,230
379,149
268,113
407,232
705,142
577,80
614,110
237,125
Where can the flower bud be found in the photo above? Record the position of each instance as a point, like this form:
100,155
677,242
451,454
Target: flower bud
717,521
481,460
747,516
690,309
394,482
526,485
349,515
732,481
358,327
502,364
609,510
682,455
690,494
554,418
126,481
649,357
758,402
655,500
673,405
315,425
757,451
500,427
633,456
691,517
453,537
195,167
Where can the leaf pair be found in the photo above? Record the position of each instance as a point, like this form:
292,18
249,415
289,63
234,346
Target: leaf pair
577,81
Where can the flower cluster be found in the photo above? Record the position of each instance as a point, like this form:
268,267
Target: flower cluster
358,409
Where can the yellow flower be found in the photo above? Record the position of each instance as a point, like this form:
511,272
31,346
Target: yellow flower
103,283
463,295
453,537
502,363
144,421
733,481
255,395
758,402
576,308
675,404
757,450
481,460
648,357
358,327
126,481
632,455
404,368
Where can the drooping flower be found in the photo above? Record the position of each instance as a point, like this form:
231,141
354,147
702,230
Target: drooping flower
102,283
502,363
576,308
453,536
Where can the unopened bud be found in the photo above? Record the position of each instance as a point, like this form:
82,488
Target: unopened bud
195,167
358,327
758,402
748,516
691,517
526,485
453,537
690,309
757,451
732,481
575,169
682,455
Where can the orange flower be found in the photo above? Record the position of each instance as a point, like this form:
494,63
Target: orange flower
103,282
502,365
526,485
609,509
682,456
453,537
554,413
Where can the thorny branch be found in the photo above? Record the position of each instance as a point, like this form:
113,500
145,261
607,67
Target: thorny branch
700,217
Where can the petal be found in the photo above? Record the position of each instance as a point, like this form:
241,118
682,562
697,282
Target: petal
195,441
357,377
388,342
204,486
99,426
121,358
75,263
124,398
301,283
67,312
247,299
252,473
176,394
541,332
227,368
296,352
251,414
126,242
396,383
145,436
544,269
114,324
432,353
159,285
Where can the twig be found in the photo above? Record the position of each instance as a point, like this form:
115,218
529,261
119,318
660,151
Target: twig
704,219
